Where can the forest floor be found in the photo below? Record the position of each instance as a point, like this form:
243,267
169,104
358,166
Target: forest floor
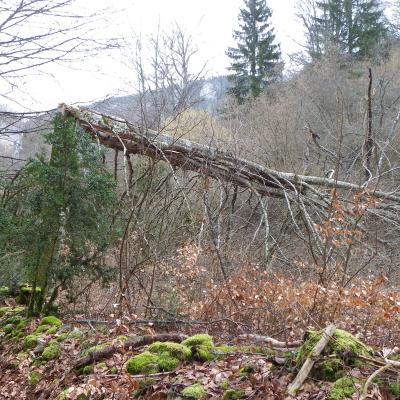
53,359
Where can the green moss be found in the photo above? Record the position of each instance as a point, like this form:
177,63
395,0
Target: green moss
141,362
30,341
246,370
16,319
5,291
11,310
225,349
34,378
122,338
51,320
166,362
51,351
8,328
176,350
97,347
195,391
342,342
343,388
42,328
101,365
224,384
330,370
394,388
201,339
114,370
61,337
52,330
21,356
204,354
233,394
87,369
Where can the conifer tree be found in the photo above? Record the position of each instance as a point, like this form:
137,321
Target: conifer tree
353,27
255,60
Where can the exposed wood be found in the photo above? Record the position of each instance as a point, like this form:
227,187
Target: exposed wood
308,364
119,134
131,343
270,341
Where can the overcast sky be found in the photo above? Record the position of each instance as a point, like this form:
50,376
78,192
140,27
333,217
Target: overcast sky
210,22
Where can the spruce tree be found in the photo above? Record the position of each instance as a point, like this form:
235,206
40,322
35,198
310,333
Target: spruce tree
353,27
255,60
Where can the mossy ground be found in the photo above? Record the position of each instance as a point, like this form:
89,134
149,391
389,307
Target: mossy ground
195,391
343,388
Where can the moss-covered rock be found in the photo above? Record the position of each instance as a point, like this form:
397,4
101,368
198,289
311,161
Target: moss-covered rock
195,391
34,378
141,362
342,343
51,320
201,339
30,341
176,350
51,351
233,394
343,388
42,329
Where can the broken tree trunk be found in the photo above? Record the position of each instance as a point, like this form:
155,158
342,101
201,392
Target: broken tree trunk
119,134
309,363
131,343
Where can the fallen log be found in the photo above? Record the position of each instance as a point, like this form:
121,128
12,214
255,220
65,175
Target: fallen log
122,135
131,343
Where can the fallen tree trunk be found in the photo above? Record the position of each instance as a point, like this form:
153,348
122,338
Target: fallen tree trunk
131,343
121,135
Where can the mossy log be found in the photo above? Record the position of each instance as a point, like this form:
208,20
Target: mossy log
131,343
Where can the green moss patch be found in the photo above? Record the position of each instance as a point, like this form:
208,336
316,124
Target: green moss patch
142,362
201,339
92,349
233,394
150,363
343,388
51,320
11,310
341,342
176,350
51,351
394,388
30,341
195,391
34,378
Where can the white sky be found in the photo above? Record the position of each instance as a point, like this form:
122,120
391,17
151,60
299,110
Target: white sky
210,22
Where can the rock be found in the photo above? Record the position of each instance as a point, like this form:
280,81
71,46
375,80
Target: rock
40,346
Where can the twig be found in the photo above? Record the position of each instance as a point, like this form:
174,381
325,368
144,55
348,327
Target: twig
371,378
